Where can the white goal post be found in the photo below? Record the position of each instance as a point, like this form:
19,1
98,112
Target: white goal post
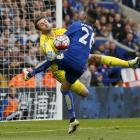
59,20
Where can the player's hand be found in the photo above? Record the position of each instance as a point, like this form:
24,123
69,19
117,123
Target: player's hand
26,74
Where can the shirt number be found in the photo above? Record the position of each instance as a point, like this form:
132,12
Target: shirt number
85,36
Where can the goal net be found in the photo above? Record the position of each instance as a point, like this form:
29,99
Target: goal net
38,98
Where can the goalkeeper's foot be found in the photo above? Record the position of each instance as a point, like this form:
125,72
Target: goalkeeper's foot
134,63
73,126
26,74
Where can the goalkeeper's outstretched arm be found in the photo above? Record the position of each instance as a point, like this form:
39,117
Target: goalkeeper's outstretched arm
40,67
44,65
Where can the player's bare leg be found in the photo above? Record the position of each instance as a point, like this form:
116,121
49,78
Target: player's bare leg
85,92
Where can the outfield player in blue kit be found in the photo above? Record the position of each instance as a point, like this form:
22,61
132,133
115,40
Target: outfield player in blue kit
74,60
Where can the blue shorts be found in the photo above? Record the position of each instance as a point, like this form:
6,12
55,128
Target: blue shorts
70,74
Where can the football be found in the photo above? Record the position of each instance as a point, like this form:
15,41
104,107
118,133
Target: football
61,42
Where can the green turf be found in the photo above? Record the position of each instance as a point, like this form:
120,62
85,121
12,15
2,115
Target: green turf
103,129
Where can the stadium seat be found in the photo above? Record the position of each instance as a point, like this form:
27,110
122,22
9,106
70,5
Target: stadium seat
109,5
48,80
17,81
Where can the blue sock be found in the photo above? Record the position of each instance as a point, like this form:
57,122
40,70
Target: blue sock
68,99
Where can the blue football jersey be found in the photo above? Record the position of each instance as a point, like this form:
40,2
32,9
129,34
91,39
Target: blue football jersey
81,37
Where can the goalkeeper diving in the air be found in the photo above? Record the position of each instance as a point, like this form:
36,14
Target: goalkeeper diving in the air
68,66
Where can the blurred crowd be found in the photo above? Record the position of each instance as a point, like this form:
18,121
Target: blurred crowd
19,40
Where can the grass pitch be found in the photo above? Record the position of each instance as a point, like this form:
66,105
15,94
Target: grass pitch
102,129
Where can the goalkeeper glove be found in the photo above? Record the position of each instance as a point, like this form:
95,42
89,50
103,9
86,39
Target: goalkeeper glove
26,74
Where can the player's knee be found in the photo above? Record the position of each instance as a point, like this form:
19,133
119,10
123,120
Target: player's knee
85,93
95,58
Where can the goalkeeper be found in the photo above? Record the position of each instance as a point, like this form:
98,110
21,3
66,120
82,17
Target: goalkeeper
46,45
